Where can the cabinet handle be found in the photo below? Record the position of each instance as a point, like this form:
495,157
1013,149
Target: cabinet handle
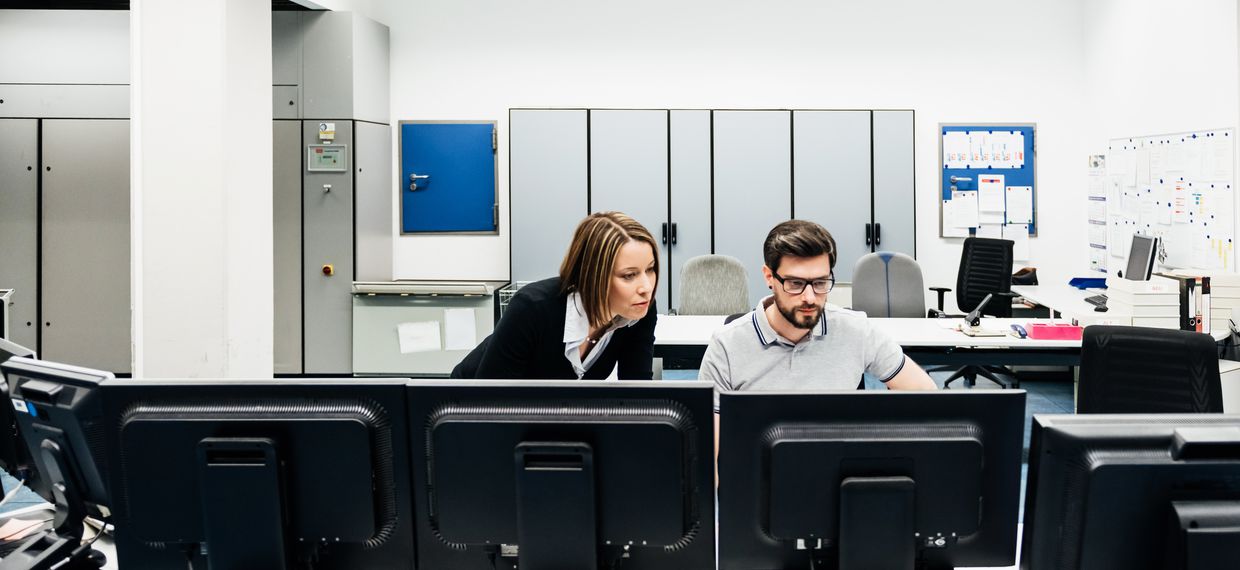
868,233
664,233
878,234
673,233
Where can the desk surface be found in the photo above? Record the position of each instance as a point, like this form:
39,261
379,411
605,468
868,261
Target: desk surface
1070,303
690,330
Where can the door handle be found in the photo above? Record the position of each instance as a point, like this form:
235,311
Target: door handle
878,234
868,230
414,178
673,233
664,233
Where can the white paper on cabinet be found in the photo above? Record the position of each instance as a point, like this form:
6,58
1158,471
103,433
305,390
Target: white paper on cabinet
460,331
418,337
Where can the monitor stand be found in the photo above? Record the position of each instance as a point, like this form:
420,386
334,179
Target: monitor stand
242,506
556,522
61,547
876,523
1204,535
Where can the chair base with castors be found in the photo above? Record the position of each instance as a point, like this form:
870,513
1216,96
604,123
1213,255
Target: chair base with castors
993,373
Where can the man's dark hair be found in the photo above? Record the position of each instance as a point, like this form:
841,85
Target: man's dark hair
798,238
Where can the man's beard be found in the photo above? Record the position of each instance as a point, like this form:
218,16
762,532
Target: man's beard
797,319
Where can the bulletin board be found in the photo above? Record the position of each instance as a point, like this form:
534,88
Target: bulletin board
995,190
1178,187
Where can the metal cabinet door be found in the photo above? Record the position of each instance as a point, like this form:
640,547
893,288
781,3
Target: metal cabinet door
831,171
19,229
547,187
85,296
458,193
286,237
753,185
689,159
327,201
894,211
628,172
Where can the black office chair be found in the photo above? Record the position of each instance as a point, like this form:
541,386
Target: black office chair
985,269
1141,370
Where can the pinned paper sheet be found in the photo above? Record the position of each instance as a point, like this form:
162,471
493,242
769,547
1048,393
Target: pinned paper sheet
460,333
1019,234
993,231
990,218
1020,204
961,211
948,229
990,192
955,149
418,337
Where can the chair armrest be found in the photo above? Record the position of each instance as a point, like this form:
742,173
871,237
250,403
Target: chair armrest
939,314
941,291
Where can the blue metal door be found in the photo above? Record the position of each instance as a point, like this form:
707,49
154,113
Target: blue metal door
447,181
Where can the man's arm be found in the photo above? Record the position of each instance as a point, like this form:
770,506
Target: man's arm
911,377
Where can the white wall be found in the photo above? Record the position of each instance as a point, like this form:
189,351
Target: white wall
1154,67
965,60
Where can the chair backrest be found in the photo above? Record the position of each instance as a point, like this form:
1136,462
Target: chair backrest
713,285
888,284
1142,370
985,267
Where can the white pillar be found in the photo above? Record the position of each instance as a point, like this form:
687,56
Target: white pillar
202,188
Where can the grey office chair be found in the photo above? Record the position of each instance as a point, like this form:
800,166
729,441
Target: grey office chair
888,284
713,285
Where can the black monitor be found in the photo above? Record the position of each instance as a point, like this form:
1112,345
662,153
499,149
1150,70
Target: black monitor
15,458
547,474
60,419
1133,492
306,474
848,480
1141,258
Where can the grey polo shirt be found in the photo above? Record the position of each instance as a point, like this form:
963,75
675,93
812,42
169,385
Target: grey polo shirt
747,354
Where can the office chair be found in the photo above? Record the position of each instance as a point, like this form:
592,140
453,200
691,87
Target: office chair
713,285
985,269
1141,370
888,284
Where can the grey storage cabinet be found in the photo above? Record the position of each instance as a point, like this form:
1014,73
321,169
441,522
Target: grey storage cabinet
548,187
753,185
831,158
894,212
628,172
729,177
690,161
286,238
19,230
379,310
331,226
327,259
85,244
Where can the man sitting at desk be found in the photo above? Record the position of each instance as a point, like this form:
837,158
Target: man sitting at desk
792,341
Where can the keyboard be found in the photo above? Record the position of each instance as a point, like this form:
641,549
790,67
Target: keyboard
1097,300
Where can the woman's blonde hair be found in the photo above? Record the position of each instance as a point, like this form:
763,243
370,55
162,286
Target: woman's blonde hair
587,266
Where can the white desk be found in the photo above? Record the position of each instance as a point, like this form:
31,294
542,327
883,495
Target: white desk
1069,302
926,341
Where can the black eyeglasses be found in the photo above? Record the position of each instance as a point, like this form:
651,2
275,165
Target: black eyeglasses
796,286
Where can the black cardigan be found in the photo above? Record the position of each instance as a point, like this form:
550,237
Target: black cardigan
528,342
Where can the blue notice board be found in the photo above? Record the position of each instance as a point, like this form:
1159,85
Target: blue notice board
978,151
447,177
